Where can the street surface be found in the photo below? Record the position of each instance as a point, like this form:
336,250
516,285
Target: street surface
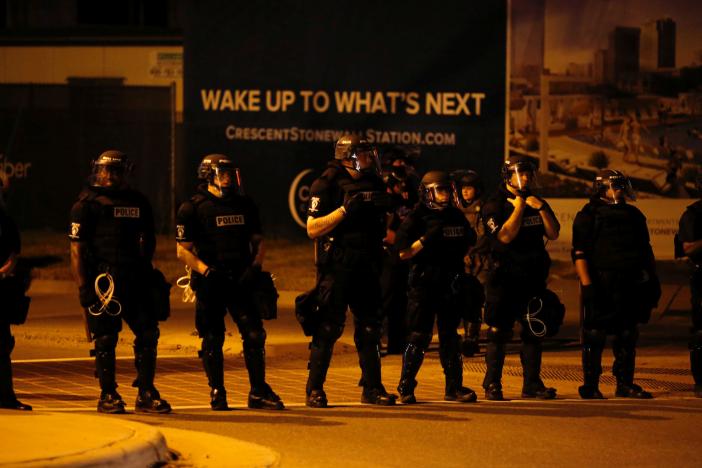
53,373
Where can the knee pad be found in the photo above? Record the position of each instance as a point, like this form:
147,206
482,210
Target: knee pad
368,334
255,338
329,333
594,337
105,343
696,340
499,335
147,339
628,337
211,342
420,340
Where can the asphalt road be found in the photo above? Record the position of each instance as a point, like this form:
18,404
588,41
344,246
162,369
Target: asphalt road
53,373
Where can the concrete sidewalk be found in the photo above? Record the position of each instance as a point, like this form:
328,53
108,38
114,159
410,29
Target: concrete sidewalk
43,439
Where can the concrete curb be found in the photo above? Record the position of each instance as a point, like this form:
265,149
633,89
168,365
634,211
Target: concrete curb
56,439
204,449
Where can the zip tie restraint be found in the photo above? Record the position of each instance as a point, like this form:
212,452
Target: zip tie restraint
184,283
106,298
530,317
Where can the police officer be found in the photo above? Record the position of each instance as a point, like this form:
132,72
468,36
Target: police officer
690,234
619,286
517,222
393,278
9,250
219,237
469,191
435,238
112,246
346,218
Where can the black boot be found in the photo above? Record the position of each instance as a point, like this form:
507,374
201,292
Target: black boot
318,364
111,403
533,386
148,398
624,348
592,364
8,399
378,396
261,395
494,361
453,371
213,363
411,362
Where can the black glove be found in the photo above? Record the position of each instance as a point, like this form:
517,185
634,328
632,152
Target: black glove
216,279
353,203
87,296
250,274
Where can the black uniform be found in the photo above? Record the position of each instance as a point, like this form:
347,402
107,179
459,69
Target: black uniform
348,271
436,290
519,272
117,228
9,244
393,280
616,246
221,230
690,231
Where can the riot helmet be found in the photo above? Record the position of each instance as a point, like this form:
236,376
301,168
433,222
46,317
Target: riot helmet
219,171
436,190
519,173
613,187
357,154
110,169
469,186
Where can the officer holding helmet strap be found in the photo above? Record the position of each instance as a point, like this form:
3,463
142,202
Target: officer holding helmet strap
112,246
346,218
619,287
219,237
517,221
435,238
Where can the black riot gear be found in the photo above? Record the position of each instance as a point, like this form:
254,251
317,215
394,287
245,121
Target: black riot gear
351,203
518,272
608,182
619,287
436,190
690,231
112,245
9,249
435,289
225,233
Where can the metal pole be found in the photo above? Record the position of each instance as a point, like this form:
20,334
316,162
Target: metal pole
173,158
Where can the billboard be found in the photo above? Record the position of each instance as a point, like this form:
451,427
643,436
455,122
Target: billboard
274,84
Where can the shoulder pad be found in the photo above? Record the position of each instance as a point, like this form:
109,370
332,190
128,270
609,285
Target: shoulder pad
197,199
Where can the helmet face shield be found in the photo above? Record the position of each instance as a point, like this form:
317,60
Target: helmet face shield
615,188
110,170
219,171
364,158
439,196
523,176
